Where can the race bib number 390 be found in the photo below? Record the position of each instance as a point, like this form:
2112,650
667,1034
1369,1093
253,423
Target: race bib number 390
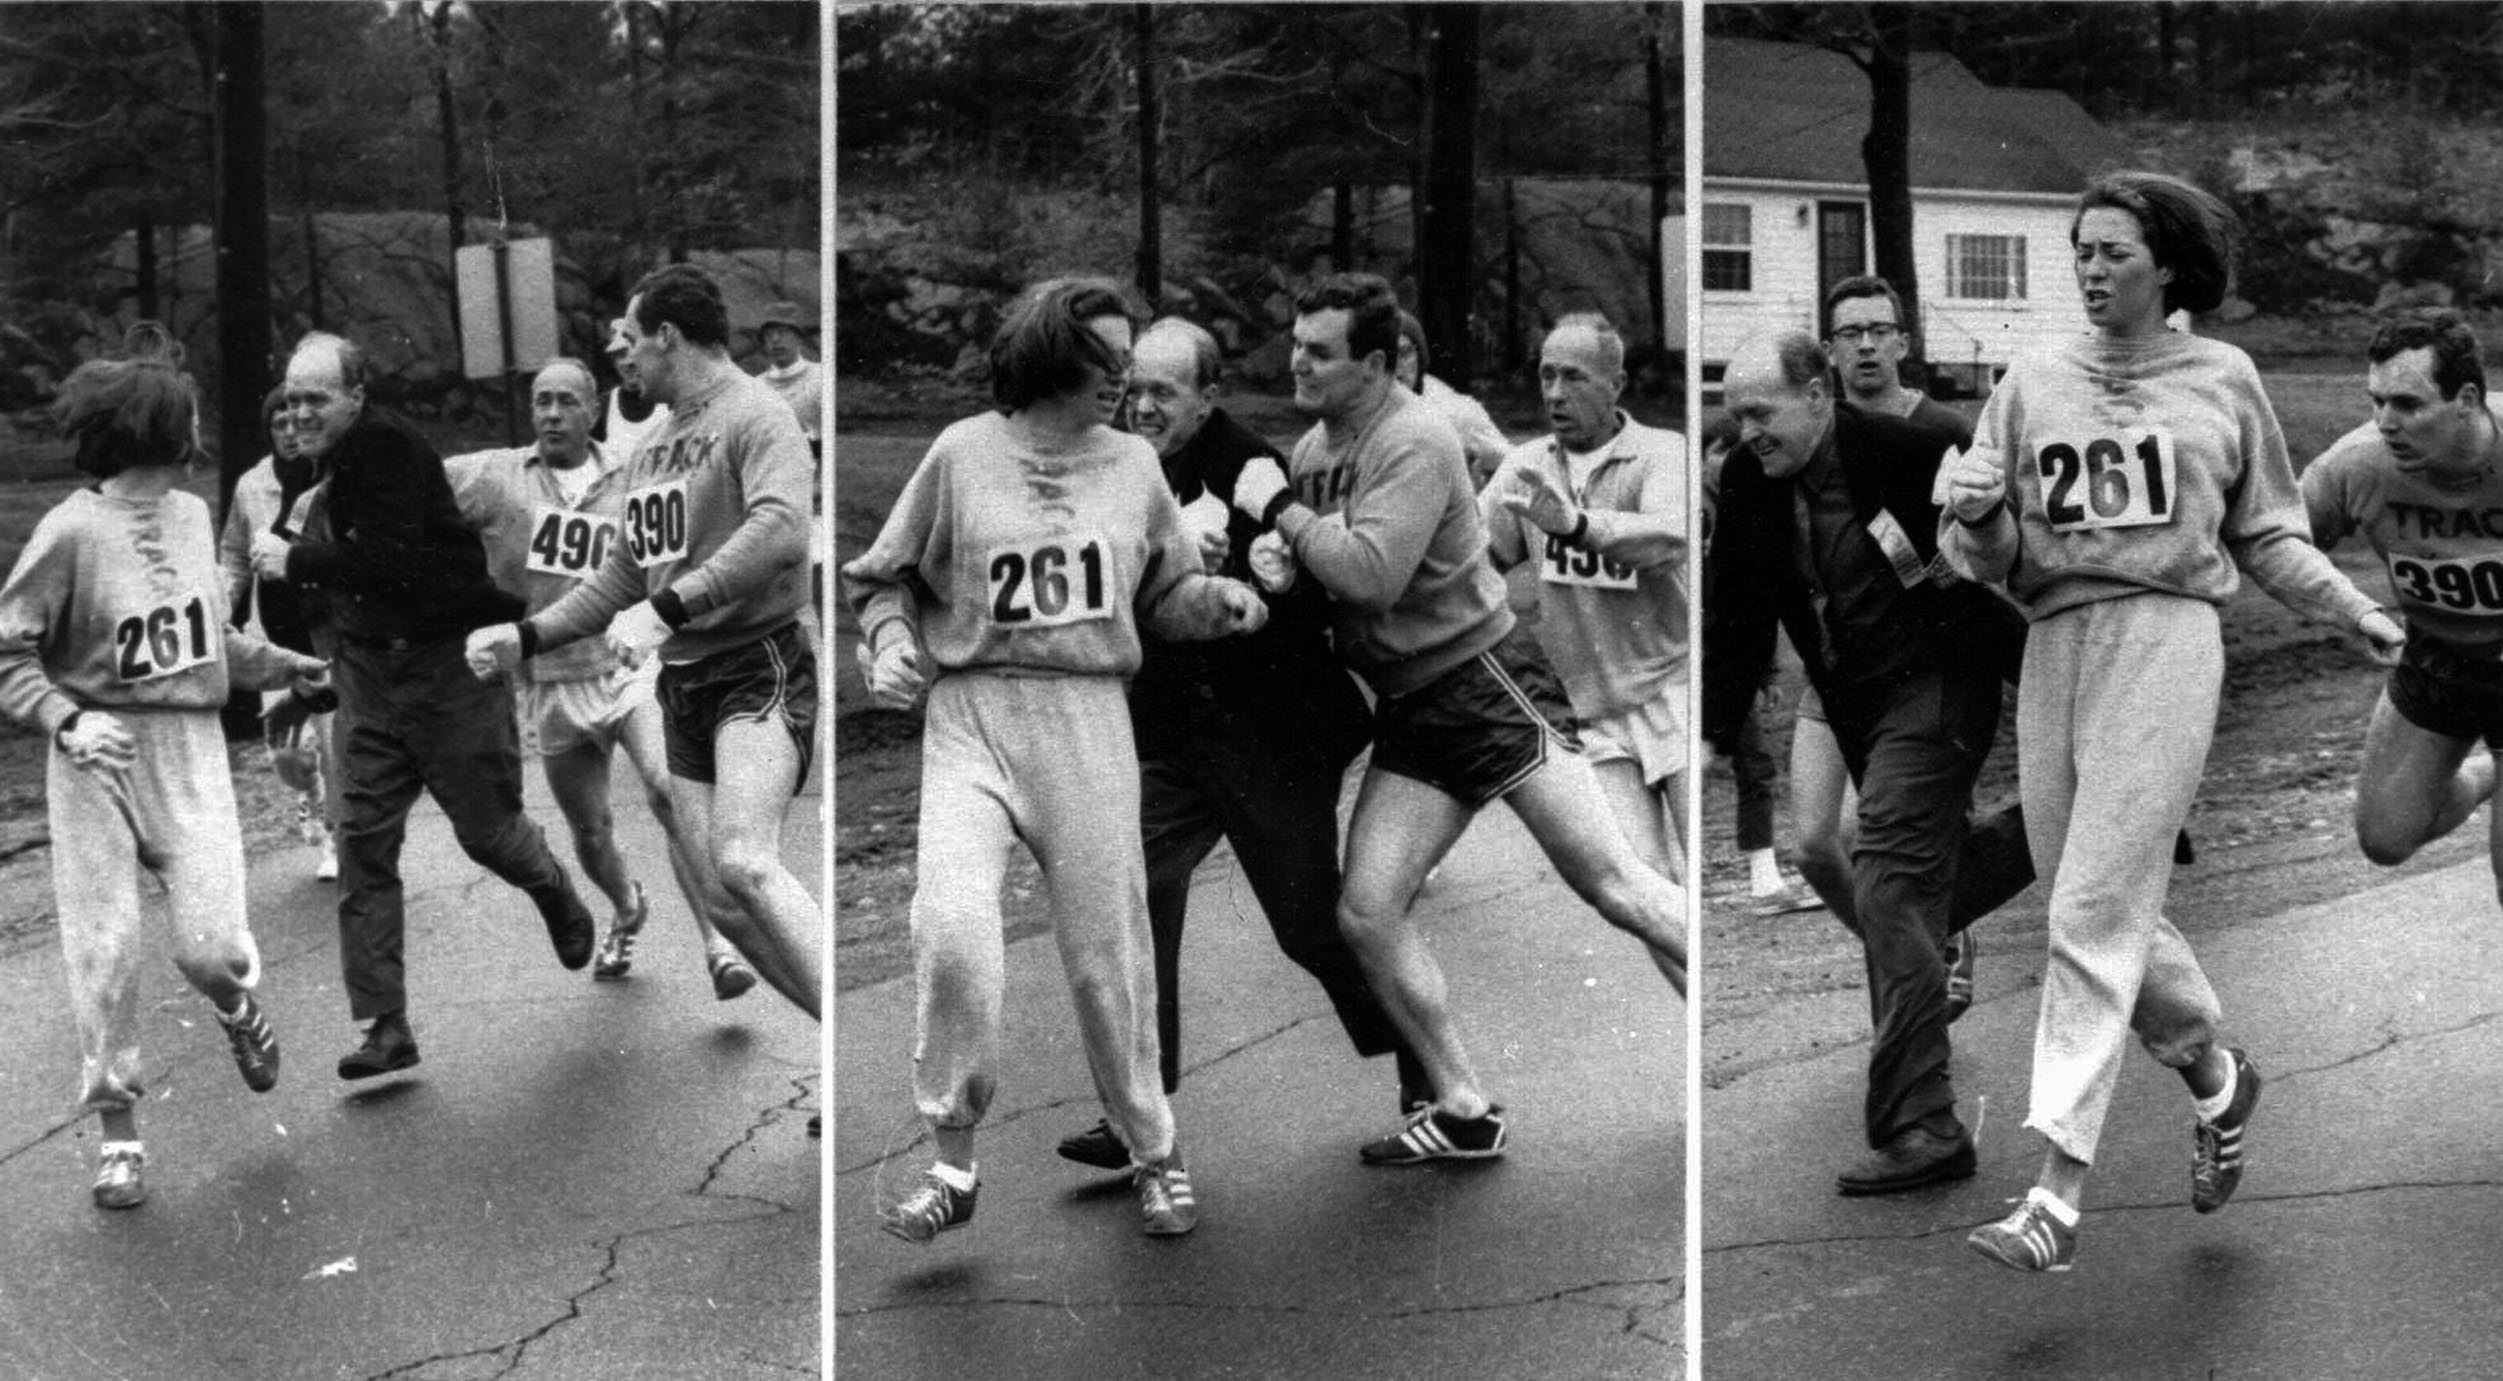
1567,564
655,523
568,541
1062,579
2108,481
2457,584
166,639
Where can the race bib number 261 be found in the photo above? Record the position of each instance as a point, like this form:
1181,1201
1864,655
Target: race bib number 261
2108,481
1049,582
165,640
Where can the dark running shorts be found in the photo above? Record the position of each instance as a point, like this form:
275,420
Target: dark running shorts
1481,728
773,678
2442,692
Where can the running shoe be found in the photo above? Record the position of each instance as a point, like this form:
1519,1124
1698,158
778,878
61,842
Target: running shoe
2216,1147
1166,1206
731,976
388,1045
929,1210
1958,952
2029,1239
1096,1146
616,954
1794,896
117,1175
327,870
256,1046
1432,1134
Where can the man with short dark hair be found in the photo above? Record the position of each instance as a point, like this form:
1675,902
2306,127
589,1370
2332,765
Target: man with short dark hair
710,572
1243,739
1827,529
406,578
2420,481
1381,512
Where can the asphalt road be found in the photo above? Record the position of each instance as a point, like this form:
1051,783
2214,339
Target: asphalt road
1562,1260
2363,1242
580,1180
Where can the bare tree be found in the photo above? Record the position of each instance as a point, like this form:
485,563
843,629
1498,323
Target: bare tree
1446,222
243,329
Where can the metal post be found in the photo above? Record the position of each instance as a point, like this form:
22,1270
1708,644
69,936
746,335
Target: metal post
504,329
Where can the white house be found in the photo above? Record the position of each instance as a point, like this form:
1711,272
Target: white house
1785,209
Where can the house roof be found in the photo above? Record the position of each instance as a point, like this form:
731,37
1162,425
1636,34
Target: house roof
1796,113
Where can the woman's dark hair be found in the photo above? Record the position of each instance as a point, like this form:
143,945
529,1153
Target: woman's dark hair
2187,230
126,414
1412,331
1043,347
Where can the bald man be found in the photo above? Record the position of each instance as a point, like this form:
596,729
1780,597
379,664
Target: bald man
547,514
1827,530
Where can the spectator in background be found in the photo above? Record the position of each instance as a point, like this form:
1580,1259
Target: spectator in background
630,414
1480,438
799,379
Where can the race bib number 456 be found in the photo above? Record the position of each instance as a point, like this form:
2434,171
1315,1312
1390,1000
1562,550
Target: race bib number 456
655,523
2108,481
568,541
2455,584
1570,565
1062,579
165,640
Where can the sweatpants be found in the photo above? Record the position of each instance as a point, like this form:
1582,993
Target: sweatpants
173,813
2115,711
1050,762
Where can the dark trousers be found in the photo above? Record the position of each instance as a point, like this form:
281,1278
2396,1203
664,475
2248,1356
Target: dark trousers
1279,809
1753,769
413,717
1920,872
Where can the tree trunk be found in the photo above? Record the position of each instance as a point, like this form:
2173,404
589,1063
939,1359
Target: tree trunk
1886,151
1447,241
243,316
1151,269
1512,281
143,238
1657,18
1342,226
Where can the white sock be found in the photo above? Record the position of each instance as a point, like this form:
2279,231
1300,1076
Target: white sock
962,1181
1764,872
2213,1107
2051,1203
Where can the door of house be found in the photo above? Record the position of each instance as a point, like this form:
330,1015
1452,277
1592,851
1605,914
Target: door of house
1842,238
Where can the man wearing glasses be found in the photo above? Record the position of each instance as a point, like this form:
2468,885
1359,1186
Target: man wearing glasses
1866,341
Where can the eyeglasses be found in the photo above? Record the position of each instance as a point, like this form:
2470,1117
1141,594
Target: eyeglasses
1879,331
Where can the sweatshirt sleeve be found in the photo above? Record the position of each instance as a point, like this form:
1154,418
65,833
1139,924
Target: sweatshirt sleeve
1506,545
1369,551
35,598
593,601
255,664
1177,601
2265,529
879,583
2325,497
1654,533
772,535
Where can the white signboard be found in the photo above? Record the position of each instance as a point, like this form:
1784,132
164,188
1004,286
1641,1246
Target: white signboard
529,296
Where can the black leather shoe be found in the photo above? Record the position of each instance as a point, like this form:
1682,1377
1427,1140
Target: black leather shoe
1914,1158
570,926
1096,1146
388,1045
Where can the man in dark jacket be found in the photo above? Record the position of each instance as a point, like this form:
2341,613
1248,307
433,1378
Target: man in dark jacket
407,580
1242,739
1826,528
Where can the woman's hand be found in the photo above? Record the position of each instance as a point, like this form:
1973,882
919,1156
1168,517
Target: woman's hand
1976,483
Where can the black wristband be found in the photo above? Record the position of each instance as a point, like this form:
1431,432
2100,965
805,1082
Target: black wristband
1276,505
1996,505
1581,529
61,730
672,609
529,639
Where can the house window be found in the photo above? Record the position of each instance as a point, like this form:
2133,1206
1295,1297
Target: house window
1990,268
1728,248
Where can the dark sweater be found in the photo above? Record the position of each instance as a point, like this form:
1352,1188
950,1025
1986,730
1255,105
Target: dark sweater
397,560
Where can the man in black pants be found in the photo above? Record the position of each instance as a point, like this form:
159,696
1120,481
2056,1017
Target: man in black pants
1244,739
1826,527
407,580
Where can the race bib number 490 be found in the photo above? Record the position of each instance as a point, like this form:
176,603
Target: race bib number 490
655,523
2453,584
1567,564
164,640
2108,481
568,541
1062,579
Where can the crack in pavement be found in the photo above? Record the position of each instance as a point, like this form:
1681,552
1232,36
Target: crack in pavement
509,1355
1568,1295
2167,1206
